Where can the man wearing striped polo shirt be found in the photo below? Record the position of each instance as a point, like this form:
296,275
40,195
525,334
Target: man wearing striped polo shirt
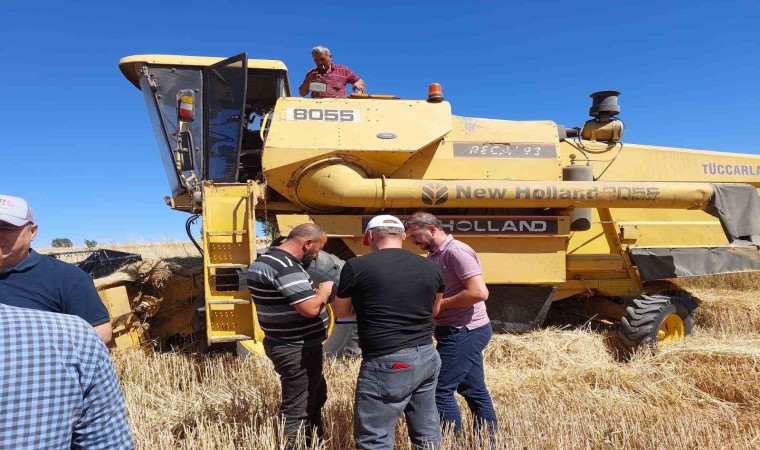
293,317
327,79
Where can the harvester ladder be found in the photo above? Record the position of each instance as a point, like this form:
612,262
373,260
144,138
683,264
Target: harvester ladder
229,247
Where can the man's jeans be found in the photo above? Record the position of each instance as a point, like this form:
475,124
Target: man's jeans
461,353
304,390
391,384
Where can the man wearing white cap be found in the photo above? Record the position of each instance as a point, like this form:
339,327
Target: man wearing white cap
31,280
395,294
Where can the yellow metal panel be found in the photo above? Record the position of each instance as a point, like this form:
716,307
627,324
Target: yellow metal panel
291,144
130,334
662,227
130,65
445,165
415,123
286,222
116,300
617,288
440,162
629,234
656,227
227,211
225,208
254,346
529,261
610,287
673,227
644,162
229,320
492,130
594,263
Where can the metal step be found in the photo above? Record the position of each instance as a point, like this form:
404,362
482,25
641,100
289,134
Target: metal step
231,301
230,338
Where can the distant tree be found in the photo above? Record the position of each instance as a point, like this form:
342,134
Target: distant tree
61,243
90,244
269,229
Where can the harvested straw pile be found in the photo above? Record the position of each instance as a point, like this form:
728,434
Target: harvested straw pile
155,273
556,388
729,312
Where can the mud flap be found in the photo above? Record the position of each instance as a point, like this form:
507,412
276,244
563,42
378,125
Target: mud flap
519,308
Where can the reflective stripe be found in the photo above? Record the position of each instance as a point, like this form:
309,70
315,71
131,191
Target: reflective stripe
294,283
276,259
301,301
276,297
288,313
263,290
265,275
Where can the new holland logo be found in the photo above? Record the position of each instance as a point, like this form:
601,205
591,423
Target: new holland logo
434,194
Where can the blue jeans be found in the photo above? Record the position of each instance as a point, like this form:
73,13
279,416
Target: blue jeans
461,353
384,392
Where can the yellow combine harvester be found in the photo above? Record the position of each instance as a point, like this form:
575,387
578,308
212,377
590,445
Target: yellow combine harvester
555,213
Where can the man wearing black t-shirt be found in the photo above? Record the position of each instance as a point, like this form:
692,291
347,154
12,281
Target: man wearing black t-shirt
395,294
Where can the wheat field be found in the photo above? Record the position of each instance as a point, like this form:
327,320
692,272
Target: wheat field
561,387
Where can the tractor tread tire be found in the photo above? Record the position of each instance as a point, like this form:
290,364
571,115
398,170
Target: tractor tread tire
343,341
647,312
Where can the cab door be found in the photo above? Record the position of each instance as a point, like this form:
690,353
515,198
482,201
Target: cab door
224,93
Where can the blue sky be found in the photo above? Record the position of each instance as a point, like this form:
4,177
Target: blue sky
77,141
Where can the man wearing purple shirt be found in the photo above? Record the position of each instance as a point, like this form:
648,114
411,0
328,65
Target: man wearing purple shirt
463,328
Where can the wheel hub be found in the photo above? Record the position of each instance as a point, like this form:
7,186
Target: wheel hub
671,329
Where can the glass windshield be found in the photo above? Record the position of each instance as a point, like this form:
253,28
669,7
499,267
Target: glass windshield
160,134
224,100
162,109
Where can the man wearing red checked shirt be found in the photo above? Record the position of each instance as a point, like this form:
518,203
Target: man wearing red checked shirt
327,79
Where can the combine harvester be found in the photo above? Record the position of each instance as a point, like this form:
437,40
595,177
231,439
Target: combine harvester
557,214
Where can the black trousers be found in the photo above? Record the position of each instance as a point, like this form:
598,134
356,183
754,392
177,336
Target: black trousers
304,389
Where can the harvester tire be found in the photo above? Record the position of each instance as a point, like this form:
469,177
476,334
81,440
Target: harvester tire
343,340
656,318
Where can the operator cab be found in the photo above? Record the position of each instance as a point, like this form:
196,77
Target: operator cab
209,115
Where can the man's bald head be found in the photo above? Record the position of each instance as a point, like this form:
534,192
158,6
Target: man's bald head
304,242
306,231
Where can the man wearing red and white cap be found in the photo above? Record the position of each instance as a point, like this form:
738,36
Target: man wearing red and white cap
34,281
395,295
